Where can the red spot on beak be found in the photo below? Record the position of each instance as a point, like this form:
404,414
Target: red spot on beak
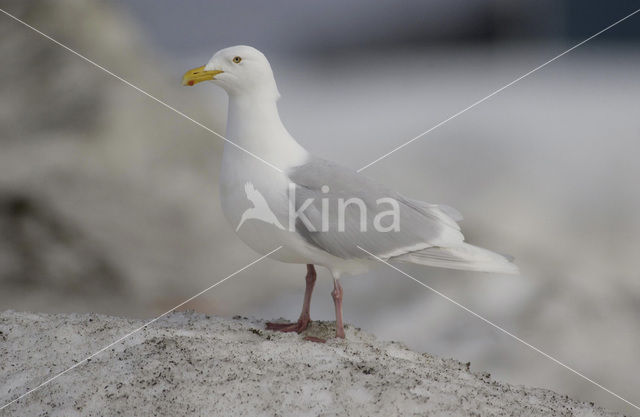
190,82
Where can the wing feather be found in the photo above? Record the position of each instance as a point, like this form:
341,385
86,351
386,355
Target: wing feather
421,225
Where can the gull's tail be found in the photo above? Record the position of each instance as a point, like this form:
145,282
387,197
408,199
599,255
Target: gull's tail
466,257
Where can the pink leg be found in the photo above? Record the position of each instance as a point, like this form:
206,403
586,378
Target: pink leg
337,300
305,317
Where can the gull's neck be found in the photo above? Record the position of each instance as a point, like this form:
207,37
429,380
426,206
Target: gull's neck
254,123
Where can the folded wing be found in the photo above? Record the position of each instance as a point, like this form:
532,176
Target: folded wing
426,234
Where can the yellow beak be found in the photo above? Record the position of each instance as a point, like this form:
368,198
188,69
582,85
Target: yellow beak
198,75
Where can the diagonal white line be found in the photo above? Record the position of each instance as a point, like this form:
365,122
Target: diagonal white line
138,89
397,148
137,330
546,355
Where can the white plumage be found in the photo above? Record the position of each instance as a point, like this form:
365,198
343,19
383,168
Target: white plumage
256,197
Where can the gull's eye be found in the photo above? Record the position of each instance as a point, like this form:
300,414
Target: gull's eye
237,59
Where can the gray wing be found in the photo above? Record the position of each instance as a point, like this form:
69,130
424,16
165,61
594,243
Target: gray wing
419,225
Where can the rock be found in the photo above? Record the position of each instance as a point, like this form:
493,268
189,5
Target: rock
188,363
131,182
40,249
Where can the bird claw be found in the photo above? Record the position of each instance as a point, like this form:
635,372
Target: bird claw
298,327
315,339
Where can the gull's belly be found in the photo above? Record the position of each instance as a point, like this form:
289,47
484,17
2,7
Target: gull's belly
264,228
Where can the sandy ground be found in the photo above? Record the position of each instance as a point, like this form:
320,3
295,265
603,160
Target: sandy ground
193,364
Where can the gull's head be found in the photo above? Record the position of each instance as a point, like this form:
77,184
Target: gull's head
240,70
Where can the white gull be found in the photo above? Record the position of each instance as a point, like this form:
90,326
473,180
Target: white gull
330,213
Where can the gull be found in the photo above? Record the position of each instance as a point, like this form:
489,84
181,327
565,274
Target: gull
317,211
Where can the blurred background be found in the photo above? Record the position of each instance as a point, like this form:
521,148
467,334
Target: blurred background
108,201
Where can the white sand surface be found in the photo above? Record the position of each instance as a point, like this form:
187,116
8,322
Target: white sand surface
192,364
